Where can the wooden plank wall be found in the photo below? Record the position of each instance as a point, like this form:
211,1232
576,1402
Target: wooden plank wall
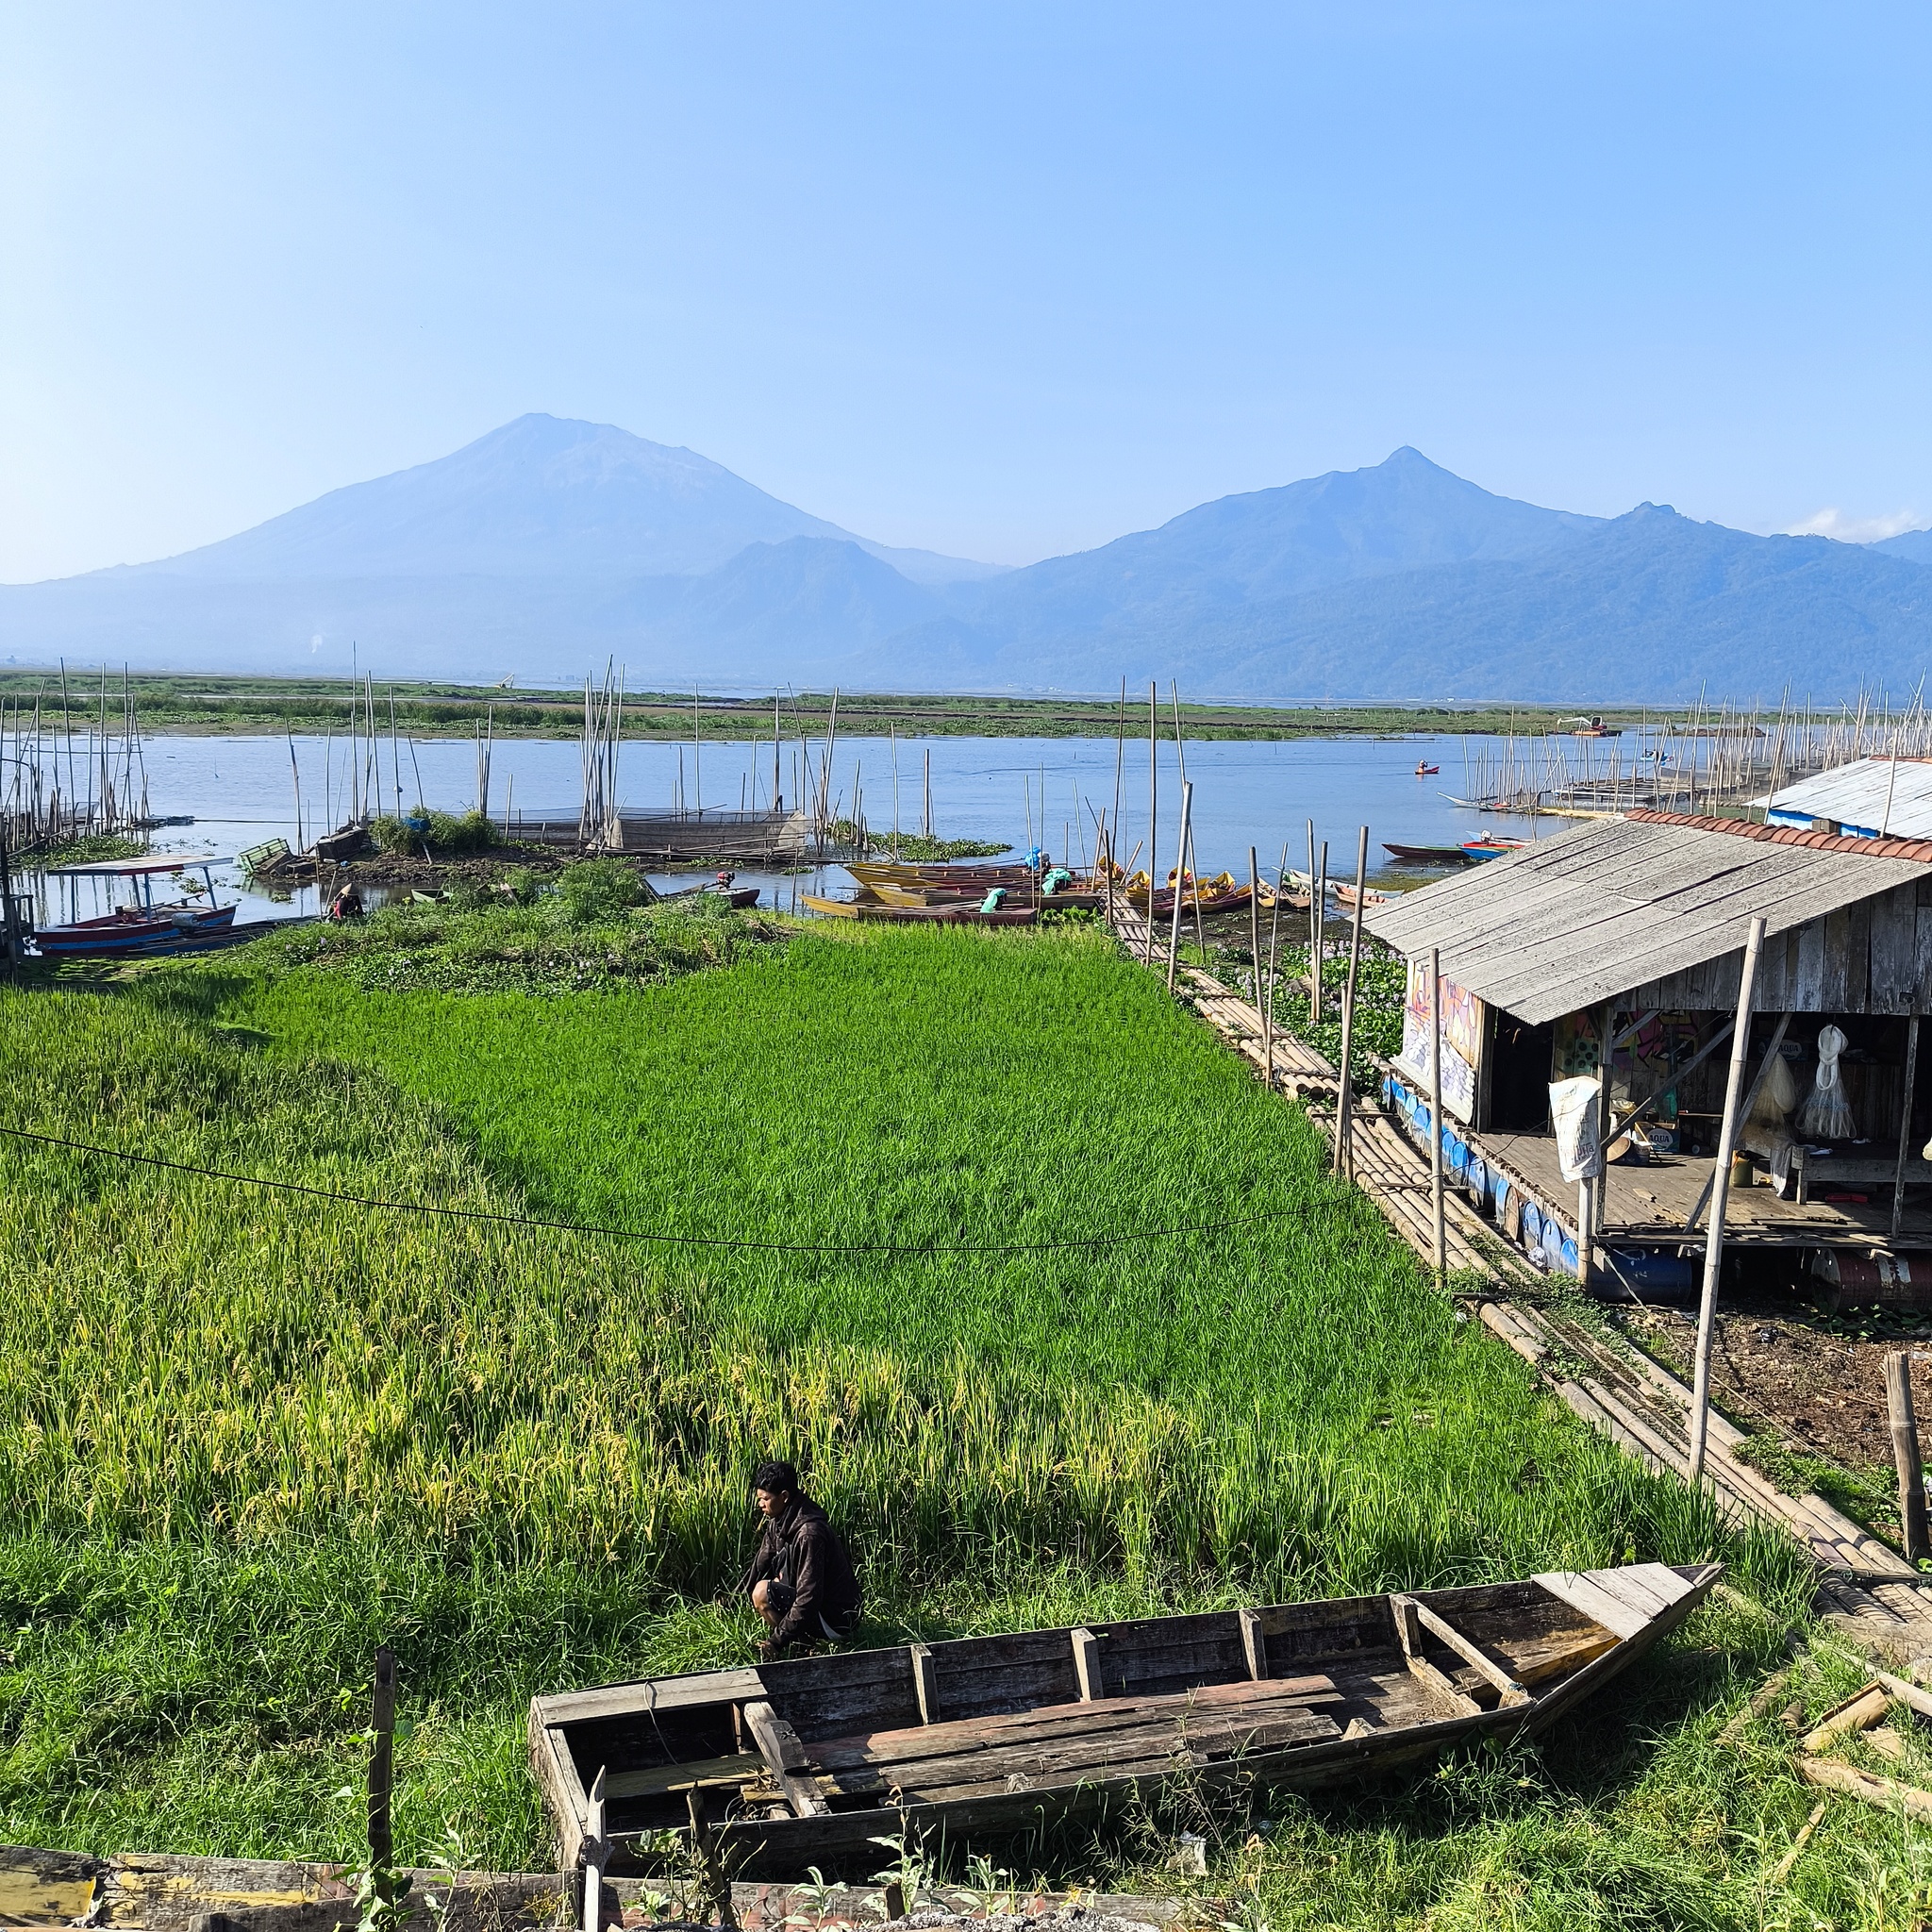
1871,958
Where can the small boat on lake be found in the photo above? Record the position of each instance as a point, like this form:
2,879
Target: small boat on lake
1422,770
1493,848
960,877
810,1762
954,912
144,926
1429,855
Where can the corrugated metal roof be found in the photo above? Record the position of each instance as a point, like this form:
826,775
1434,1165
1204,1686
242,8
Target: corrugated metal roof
1854,795
1578,918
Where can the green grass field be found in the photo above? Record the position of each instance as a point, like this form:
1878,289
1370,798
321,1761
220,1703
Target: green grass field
244,1435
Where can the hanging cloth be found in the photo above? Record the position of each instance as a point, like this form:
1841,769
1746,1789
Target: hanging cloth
1825,1115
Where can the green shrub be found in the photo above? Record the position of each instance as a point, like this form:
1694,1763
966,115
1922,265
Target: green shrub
595,890
443,835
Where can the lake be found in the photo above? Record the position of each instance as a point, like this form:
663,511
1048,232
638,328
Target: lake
241,790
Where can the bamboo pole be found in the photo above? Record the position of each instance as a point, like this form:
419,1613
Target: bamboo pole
1314,938
1173,937
1720,1185
1905,1121
1153,802
1442,1232
1344,1097
1274,931
1905,1453
1254,957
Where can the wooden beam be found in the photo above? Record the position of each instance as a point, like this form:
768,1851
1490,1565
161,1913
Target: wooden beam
785,1755
1086,1665
1472,1654
925,1683
1777,1039
1904,1122
1620,1127
597,1853
1254,1643
1904,1452
1883,1793
1409,1633
1858,1712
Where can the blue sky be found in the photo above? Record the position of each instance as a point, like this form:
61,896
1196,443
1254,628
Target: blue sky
1003,280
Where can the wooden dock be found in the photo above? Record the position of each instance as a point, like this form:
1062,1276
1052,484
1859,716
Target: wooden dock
1868,1592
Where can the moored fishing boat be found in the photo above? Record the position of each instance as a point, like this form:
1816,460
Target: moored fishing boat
955,912
1493,848
809,1762
957,875
1429,855
146,926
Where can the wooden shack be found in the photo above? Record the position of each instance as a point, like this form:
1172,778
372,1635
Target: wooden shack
1619,945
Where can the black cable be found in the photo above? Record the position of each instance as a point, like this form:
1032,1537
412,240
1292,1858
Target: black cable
685,1241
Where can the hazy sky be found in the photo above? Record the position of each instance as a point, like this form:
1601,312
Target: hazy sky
1001,280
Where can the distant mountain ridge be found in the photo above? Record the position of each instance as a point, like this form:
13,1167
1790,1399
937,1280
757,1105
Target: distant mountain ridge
547,546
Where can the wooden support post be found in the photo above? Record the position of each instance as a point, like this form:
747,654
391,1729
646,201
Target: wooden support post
1314,937
1086,1665
1344,1099
1152,803
382,1727
1586,1231
1442,1249
1254,1643
1719,1194
1905,1118
925,1684
717,1880
1180,873
1254,954
596,1852
1905,1453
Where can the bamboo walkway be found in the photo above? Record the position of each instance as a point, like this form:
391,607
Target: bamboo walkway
1868,1592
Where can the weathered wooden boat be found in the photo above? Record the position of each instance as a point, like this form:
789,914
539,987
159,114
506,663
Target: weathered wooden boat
143,928
805,1762
1429,855
956,912
960,875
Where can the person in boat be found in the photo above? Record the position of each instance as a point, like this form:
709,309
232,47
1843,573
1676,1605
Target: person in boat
800,1580
347,902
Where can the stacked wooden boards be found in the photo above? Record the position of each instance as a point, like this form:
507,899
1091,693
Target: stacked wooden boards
802,1763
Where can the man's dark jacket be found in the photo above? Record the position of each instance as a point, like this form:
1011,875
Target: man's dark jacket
801,1548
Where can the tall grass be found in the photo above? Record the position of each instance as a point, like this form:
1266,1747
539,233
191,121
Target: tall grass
245,1433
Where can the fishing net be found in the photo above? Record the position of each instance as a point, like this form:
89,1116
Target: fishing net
1825,1116
1777,1095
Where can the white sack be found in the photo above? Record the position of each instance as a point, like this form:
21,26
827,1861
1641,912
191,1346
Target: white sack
1573,1113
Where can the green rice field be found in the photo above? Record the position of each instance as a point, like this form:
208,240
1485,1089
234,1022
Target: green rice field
1061,1313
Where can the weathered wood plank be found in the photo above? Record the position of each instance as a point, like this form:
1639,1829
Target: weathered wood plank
1597,1604
779,1746
1478,1659
1086,1665
1254,1643
925,1683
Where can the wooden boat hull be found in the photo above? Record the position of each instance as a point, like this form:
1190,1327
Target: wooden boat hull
1429,855
808,1762
956,912
93,938
957,878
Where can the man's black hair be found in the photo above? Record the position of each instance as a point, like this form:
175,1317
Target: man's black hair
775,1479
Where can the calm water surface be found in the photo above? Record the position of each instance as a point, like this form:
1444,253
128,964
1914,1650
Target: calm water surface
241,790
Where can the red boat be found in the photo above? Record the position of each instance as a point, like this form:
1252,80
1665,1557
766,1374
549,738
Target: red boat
146,928
1422,770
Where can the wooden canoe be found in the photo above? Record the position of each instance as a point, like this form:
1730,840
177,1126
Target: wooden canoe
805,1762
1430,855
954,912
959,875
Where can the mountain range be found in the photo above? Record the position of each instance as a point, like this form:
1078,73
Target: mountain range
548,545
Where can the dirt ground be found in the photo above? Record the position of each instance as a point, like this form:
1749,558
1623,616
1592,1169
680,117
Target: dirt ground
1812,1382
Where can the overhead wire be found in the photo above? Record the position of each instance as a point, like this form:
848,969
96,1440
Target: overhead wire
630,1234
